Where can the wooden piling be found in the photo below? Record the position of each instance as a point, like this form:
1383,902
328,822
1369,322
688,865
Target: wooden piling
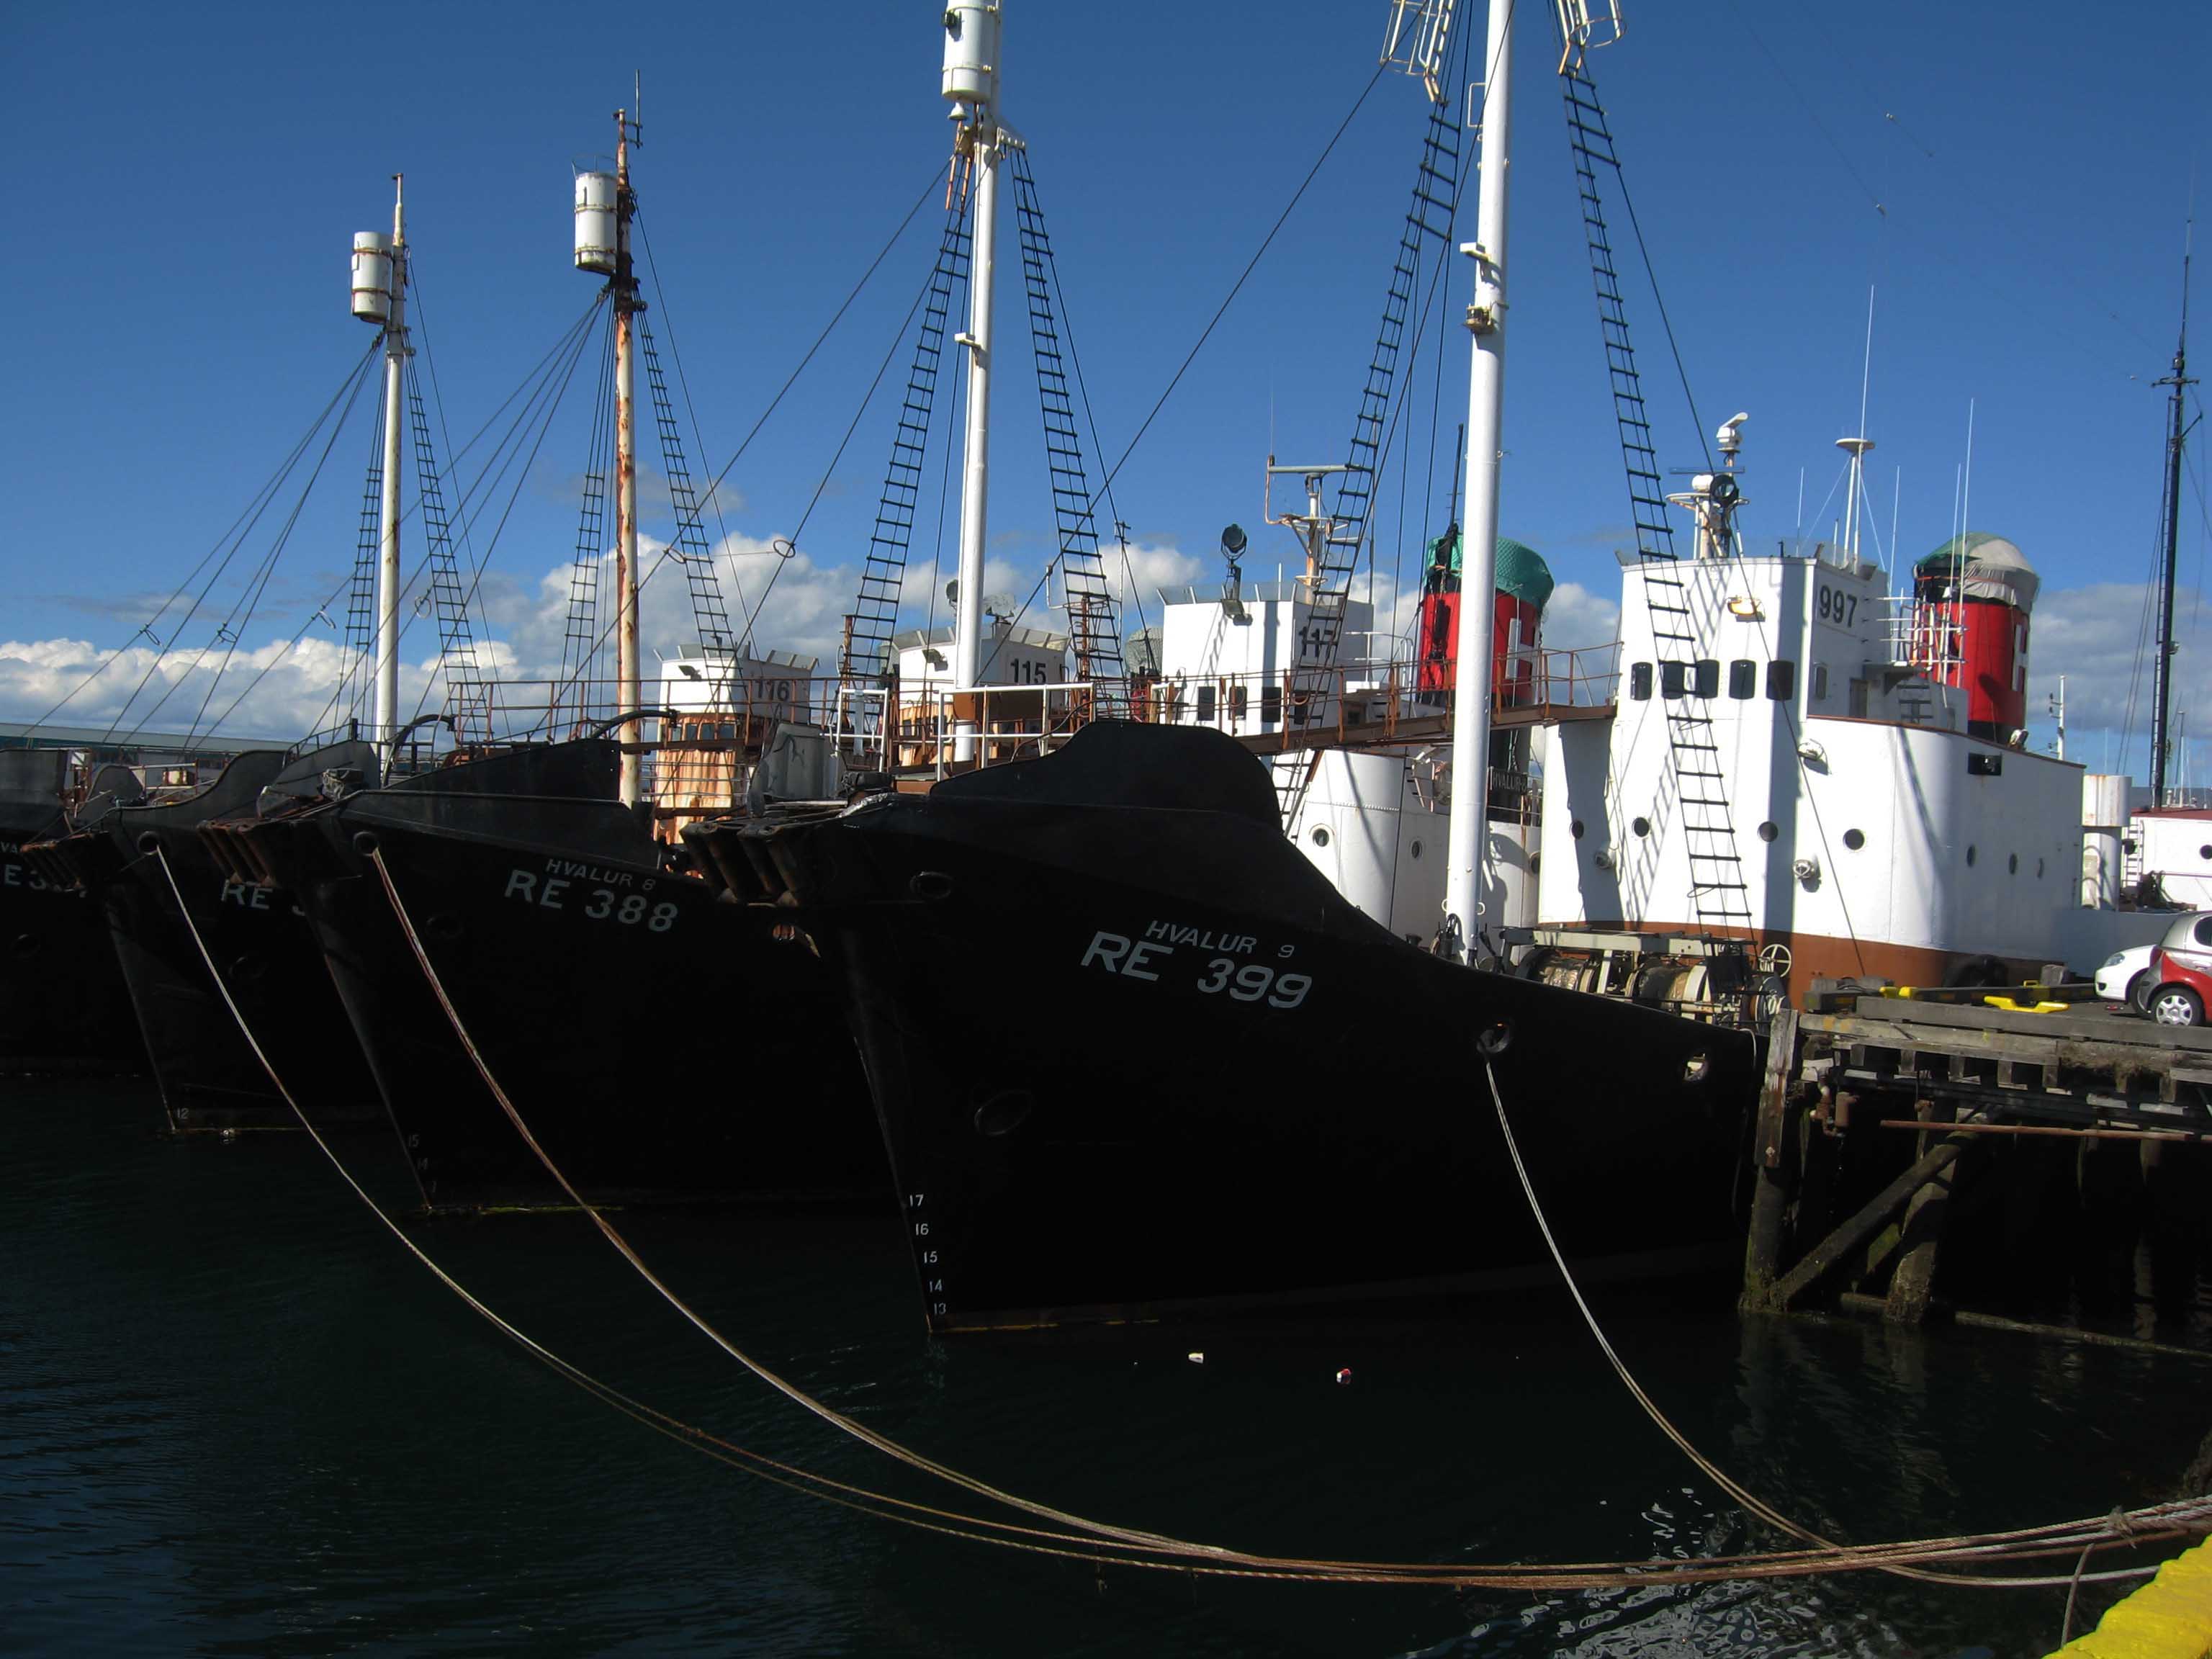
1769,1199
1862,1226
1913,1281
2005,1081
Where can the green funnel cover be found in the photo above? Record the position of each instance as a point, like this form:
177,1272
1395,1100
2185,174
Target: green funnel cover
1522,572
1981,566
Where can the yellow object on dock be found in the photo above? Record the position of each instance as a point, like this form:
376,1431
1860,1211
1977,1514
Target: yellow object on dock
2169,1618
2012,1006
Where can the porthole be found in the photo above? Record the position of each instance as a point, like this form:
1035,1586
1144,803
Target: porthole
1321,837
1003,1112
1641,826
1855,839
1767,832
2038,869
1535,863
1575,828
2011,865
1970,858
1417,849
2204,851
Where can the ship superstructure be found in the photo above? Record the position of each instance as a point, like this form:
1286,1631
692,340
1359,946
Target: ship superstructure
1862,751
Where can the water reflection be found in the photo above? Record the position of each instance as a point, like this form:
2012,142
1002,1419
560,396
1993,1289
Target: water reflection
230,1407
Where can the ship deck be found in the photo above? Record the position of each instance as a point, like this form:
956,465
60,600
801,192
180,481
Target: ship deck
1395,728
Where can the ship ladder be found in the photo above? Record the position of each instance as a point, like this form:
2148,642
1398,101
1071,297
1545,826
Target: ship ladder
1427,230
357,673
1093,622
1718,892
582,642
467,690
689,547
866,668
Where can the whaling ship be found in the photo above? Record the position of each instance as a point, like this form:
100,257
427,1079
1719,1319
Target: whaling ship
1245,1090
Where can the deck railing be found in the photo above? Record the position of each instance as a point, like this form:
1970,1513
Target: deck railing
700,751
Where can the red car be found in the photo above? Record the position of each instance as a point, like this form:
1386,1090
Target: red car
2181,973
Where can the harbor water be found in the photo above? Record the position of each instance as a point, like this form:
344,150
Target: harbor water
237,1418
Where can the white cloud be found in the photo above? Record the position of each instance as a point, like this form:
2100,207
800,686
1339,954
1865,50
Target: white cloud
2097,638
1576,618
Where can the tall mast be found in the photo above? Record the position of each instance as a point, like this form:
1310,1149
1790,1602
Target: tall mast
970,81
1485,394
2162,686
627,694
396,352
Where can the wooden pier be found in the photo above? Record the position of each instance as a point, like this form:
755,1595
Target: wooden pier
1893,1130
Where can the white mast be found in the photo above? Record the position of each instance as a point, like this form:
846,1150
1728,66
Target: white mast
1854,513
1477,582
396,352
626,690
970,81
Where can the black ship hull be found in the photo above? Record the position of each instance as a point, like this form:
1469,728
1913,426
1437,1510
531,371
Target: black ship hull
210,1078
64,1006
1132,1053
659,1049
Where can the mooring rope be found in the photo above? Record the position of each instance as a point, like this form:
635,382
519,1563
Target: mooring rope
1750,1501
623,1247
2187,1519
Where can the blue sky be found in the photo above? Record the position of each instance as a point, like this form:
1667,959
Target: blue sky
2012,184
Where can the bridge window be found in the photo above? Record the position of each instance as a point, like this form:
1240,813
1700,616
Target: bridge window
1673,677
1743,678
1705,682
1271,705
1237,701
1639,681
1205,705
1819,682
1781,680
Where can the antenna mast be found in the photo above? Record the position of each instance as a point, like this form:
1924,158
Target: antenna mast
2162,685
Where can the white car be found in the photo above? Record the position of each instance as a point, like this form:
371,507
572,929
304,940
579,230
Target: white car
2126,976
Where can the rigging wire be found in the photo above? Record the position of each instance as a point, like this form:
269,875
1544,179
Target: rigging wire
532,389
714,484
251,591
421,327
898,339
234,538
1106,482
1098,449
683,384
323,721
1237,287
266,569
552,399
953,409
